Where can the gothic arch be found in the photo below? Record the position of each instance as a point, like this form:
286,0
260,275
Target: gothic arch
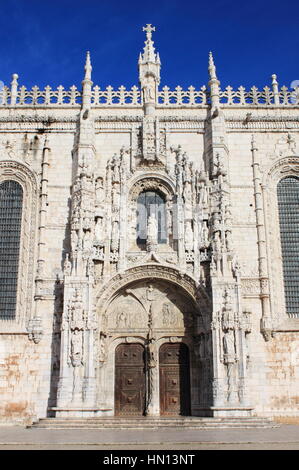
171,312
162,186
151,181
282,168
19,172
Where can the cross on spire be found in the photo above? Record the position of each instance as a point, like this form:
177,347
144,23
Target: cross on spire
149,29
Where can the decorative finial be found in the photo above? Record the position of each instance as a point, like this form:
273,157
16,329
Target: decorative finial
149,50
212,68
274,77
149,29
14,89
88,67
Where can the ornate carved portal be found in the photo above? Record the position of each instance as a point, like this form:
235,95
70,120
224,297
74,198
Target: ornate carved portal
152,319
174,379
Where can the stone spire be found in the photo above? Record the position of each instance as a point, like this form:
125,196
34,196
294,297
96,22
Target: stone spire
87,84
212,68
88,67
149,50
213,83
275,89
149,71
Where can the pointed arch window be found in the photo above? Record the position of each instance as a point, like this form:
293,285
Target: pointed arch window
288,208
151,203
11,201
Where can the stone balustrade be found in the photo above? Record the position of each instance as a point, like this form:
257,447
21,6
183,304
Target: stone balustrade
132,97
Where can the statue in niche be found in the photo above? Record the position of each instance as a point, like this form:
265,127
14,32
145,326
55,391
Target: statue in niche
116,170
152,231
189,237
103,349
229,346
76,312
228,239
217,246
67,266
115,236
100,191
149,90
187,194
188,171
76,348
87,241
74,240
151,365
204,234
116,195
99,229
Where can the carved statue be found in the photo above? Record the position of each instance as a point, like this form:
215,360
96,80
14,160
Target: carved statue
116,195
76,312
67,266
99,229
217,246
228,240
152,230
87,241
229,347
149,90
204,234
100,191
121,320
189,237
152,373
115,236
76,348
167,315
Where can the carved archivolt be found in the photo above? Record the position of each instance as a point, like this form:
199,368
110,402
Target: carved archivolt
151,182
152,272
12,170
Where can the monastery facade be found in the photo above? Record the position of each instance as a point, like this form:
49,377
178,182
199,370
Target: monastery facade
149,249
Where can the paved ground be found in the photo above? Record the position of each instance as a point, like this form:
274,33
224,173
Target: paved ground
286,437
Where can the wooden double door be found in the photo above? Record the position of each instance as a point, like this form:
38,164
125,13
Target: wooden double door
130,380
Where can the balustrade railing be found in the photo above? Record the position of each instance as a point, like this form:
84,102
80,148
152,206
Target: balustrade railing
132,98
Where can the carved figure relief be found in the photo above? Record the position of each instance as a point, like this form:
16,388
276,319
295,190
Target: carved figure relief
149,90
150,305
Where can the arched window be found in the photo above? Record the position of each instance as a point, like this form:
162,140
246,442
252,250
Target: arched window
11,200
288,207
151,203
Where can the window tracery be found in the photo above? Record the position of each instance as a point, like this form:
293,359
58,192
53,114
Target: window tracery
288,209
11,204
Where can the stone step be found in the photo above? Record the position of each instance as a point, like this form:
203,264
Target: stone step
150,423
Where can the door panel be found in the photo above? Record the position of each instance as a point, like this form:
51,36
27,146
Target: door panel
129,380
174,380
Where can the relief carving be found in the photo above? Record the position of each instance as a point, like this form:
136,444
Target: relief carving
150,305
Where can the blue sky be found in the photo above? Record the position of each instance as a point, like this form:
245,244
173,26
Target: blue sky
45,42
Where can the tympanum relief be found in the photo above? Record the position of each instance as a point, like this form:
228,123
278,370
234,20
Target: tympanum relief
150,305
